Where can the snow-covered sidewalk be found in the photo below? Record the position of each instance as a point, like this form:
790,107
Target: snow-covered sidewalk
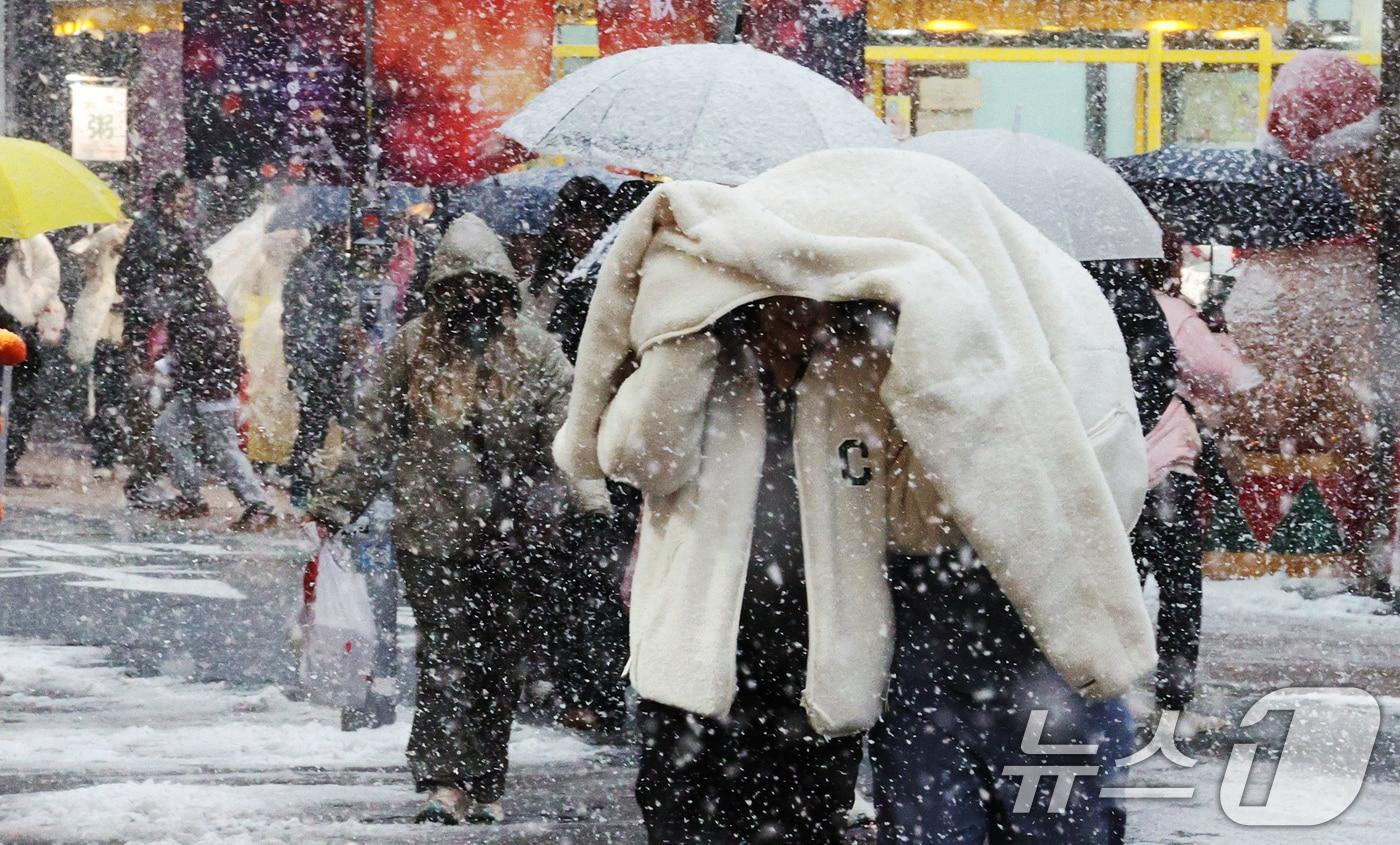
90,754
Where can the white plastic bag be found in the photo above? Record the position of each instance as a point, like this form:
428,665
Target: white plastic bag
338,632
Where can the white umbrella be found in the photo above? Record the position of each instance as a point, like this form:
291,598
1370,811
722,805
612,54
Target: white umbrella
1076,200
717,112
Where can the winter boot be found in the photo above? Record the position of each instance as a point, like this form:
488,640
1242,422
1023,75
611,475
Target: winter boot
147,497
377,711
487,812
259,517
181,508
445,805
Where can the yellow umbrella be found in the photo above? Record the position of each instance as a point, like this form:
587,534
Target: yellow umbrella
42,189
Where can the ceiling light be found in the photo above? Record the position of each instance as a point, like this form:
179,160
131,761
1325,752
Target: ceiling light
1167,25
1248,33
945,25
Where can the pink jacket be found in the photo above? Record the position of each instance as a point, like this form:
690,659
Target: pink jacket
1208,366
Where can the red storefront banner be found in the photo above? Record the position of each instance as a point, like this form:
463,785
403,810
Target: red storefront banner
630,24
450,72
827,36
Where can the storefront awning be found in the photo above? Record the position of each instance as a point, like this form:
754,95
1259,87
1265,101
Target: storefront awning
1018,16
139,16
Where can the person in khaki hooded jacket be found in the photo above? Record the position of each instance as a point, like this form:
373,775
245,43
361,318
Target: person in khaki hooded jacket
458,420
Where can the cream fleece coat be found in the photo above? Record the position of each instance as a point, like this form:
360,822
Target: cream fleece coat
94,319
1007,377
29,288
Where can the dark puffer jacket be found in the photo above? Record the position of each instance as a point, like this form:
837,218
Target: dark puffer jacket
204,344
160,261
1151,351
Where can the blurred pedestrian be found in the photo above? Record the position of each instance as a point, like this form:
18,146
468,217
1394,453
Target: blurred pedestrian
457,423
29,307
1168,541
576,289
589,643
579,219
147,273
318,308
94,341
202,362
1308,318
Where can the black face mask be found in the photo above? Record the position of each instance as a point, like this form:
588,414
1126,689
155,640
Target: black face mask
473,309
463,316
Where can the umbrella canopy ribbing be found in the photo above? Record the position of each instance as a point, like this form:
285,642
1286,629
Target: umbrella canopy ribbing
1242,198
1073,198
714,112
43,189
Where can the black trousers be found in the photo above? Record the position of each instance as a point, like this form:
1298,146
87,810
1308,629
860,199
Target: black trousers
319,396
142,455
587,637
1168,543
471,638
24,397
109,380
760,776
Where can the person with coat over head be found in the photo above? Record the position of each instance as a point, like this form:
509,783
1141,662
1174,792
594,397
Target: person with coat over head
859,352
457,422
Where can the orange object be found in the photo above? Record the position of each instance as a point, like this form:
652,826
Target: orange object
12,349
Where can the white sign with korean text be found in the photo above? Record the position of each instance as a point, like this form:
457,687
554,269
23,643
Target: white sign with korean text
99,122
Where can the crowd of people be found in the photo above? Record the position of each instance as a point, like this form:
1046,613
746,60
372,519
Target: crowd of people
864,464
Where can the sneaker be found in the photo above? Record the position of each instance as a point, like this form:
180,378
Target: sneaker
862,812
487,812
1191,724
255,518
580,719
300,493
148,497
588,720
181,508
445,805
17,479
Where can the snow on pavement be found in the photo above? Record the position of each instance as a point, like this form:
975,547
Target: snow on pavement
1199,820
153,760
65,712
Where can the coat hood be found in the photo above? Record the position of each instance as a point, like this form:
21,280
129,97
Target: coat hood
469,246
1325,105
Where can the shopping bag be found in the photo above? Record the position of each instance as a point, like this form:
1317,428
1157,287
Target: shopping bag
338,633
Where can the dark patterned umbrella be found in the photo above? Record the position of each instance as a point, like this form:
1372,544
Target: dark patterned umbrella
1243,198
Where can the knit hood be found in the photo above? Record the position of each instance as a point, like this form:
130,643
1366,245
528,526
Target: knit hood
468,247
1324,106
